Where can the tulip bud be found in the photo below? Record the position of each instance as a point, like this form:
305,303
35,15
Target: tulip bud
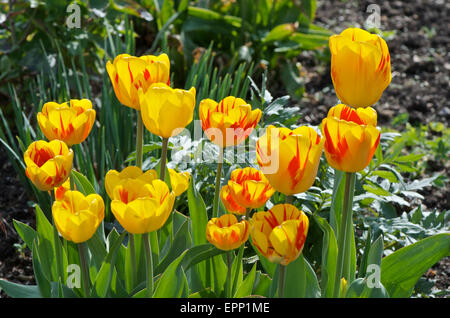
142,207
280,233
351,137
290,158
70,123
179,181
226,233
166,111
248,188
114,178
48,164
229,122
77,217
129,73
360,67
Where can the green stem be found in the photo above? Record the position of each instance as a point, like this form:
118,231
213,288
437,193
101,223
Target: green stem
133,259
84,269
281,280
289,199
59,261
345,226
229,283
218,179
148,265
162,166
139,139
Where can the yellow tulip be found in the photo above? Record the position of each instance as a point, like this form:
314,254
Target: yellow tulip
62,189
77,217
114,178
229,122
360,67
248,188
226,233
166,111
351,137
142,207
280,233
70,123
230,204
290,158
129,73
48,164
179,181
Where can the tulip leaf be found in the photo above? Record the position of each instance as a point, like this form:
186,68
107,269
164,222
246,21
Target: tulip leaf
199,253
172,283
329,257
15,290
301,281
42,282
246,287
181,242
26,233
417,258
361,288
104,276
82,183
197,213
46,246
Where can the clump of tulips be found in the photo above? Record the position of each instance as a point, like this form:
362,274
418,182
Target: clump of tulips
142,202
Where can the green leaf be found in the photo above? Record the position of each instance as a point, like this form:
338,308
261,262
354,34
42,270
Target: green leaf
359,288
246,287
20,291
197,213
46,245
42,282
82,183
26,233
279,32
199,253
301,281
401,270
172,281
104,276
329,257
182,241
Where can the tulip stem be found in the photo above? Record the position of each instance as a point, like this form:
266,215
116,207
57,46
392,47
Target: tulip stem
149,265
229,282
281,280
133,259
59,262
84,269
218,179
162,166
345,226
139,139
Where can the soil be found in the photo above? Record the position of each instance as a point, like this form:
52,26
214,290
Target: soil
420,88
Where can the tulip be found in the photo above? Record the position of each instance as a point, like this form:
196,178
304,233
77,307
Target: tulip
142,207
360,67
290,158
249,188
280,233
229,122
179,181
70,123
77,217
226,233
165,111
129,73
351,137
114,178
61,190
48,164
230,204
